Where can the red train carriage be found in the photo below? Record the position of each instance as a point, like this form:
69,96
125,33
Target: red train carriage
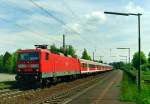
41,65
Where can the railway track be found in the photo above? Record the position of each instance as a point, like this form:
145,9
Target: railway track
7,95
63,97
53,95
4,90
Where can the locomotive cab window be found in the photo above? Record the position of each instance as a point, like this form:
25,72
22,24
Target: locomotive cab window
46,56
25,56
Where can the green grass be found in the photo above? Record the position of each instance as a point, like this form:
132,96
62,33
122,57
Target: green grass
144,97
128,89
6,84
146,72
146,75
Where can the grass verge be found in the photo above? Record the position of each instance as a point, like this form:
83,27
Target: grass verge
6,84
129,91
144,97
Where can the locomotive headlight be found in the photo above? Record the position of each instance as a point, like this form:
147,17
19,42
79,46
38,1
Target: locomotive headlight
19,70
34,65
37,70
21,65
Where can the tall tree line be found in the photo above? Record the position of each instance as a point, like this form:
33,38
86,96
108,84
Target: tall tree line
69,50
8,62
145,61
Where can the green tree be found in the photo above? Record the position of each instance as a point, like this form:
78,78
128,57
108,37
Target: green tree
13,62
85,55
68,51
1,63
9,66
136,59
61,50
71,51
6,61
149,57
54,49
6,57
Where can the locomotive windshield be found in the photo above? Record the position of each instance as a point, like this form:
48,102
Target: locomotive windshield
28,56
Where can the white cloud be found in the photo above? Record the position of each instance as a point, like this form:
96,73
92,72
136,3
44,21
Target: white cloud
76,27
131,7
93,20
95,17
90,22
72,28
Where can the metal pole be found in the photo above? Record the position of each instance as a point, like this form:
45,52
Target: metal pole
64,43
139,42
101,58
139,46
93,56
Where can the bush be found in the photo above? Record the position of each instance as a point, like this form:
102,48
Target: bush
144,97
145,67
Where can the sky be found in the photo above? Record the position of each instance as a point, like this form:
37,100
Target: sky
23,24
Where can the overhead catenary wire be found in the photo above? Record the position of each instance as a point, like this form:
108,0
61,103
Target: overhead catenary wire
48,13
23,27
70,10
5,20
61,22
57,19
74,15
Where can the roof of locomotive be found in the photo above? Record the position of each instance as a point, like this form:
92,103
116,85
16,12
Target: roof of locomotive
41,50
33,50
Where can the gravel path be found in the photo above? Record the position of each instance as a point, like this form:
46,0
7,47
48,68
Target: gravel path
106,92
6,77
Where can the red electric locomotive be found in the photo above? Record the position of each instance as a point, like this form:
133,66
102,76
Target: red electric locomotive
40,65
